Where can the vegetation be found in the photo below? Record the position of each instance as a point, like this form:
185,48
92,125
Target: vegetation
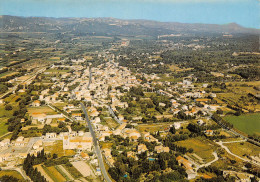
247,123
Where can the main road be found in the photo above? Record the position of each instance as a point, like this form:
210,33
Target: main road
96,145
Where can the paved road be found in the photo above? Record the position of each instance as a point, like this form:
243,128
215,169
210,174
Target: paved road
96,145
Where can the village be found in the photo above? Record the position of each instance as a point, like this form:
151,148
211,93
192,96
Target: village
133,115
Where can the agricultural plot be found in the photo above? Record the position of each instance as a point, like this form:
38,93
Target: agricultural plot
12,173
83,168
43,173
153,127
64,172
244,148
8,73
57,148
4,113
42,109
248,123
111,122
54,174
200,148
3,126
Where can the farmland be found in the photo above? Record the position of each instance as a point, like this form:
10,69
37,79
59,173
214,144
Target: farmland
3,126
243,149
12,173
248,123
43,109
200,148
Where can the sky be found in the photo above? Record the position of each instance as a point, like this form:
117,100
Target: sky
243,12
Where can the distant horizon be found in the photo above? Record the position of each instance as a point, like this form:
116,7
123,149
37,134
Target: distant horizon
242,12
130,20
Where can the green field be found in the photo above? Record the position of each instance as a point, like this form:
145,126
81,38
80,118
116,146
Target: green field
3,126
248,123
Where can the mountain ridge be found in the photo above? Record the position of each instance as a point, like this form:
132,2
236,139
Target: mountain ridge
113,26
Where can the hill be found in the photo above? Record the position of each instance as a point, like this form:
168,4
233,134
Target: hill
112,26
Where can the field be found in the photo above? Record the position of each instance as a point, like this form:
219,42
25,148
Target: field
43,109
8,73
3,126
83,168
57,148
56,71
200,147
243,148
111,122
153,127
12,173
60,105
248,123
5,113
54,174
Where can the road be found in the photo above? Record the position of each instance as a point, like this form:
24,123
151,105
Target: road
16,86
228,151
113,114
209,163
50,106
96,145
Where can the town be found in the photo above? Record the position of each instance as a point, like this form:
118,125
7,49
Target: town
130,110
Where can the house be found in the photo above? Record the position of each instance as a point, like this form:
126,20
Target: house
141,148
78,142
148,137
5,142
200,122
177,125
50,135
21,141
40,117
191,174
84,155
161,148
4,157
209,132
77,116
239,176
131,154
36,103
108,156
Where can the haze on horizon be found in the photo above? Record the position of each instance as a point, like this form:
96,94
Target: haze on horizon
242,12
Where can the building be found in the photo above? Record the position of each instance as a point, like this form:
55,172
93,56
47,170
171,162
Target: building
83,142
141,148
191,174
161,148
36,103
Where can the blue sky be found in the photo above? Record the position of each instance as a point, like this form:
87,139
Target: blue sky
243,12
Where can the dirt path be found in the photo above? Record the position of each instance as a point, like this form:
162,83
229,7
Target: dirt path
65,171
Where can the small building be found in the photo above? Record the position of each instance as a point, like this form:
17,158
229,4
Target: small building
36,103
191,174
161,148
50,135
141,148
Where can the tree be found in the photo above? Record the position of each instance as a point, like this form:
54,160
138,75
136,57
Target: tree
172,130
8,107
